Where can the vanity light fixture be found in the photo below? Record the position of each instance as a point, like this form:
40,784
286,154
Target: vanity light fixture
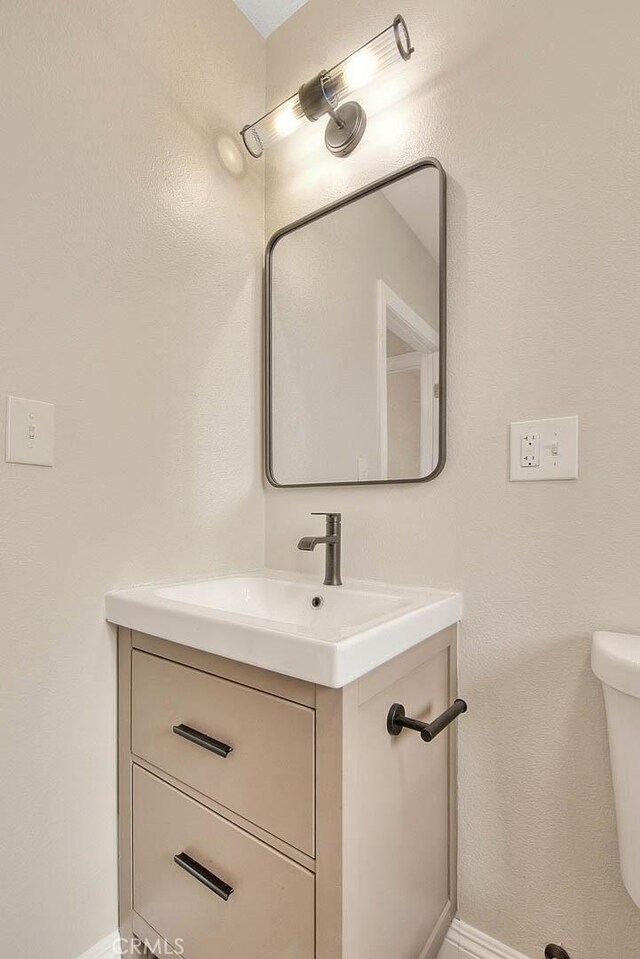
327,93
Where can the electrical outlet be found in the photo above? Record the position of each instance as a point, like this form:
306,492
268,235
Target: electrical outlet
530,450
544,449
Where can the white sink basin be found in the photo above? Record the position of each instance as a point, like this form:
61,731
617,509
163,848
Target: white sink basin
287,602
324,634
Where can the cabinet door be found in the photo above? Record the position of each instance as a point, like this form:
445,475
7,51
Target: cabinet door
268,915
402,819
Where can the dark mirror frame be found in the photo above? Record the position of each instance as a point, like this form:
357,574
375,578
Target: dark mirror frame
427,163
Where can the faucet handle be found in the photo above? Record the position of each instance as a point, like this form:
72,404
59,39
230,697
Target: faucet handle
336,517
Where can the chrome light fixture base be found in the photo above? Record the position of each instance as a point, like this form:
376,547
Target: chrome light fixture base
345,129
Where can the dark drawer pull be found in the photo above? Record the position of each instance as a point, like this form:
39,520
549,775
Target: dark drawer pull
203,875
201,739
397,720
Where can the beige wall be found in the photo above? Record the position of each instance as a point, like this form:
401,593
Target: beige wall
532,108
325,335
129,298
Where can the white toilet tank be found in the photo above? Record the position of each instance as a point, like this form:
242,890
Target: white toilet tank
615,659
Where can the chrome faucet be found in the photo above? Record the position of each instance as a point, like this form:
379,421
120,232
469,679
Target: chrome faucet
333,541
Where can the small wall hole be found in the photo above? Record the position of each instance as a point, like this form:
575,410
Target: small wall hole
317,602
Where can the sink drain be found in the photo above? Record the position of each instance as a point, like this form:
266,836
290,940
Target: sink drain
317,602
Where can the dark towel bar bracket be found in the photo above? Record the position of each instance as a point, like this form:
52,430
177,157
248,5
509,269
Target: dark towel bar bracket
397,720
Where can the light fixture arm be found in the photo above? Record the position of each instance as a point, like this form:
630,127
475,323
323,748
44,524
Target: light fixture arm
335,116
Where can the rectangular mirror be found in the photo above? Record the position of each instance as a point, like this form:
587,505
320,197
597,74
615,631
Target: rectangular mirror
355,337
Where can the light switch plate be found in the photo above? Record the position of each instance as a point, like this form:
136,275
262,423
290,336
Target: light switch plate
553,448
29,432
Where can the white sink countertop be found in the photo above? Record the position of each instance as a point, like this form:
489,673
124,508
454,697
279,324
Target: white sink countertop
330,635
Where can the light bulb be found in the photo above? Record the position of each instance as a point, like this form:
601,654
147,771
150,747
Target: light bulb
275,125
286,121
360,69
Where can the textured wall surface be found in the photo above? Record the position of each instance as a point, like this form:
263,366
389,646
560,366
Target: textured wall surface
130,299
533,110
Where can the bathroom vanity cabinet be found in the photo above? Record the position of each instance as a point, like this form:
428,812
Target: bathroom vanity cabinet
267,817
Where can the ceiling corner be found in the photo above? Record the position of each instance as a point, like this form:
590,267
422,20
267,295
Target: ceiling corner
268,15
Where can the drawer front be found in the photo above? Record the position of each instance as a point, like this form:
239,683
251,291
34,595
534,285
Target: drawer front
268,915
267,777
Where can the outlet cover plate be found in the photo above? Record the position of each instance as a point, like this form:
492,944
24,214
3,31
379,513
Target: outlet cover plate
558,449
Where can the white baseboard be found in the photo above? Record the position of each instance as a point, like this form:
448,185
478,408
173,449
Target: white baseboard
462,942
465,942
107,948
